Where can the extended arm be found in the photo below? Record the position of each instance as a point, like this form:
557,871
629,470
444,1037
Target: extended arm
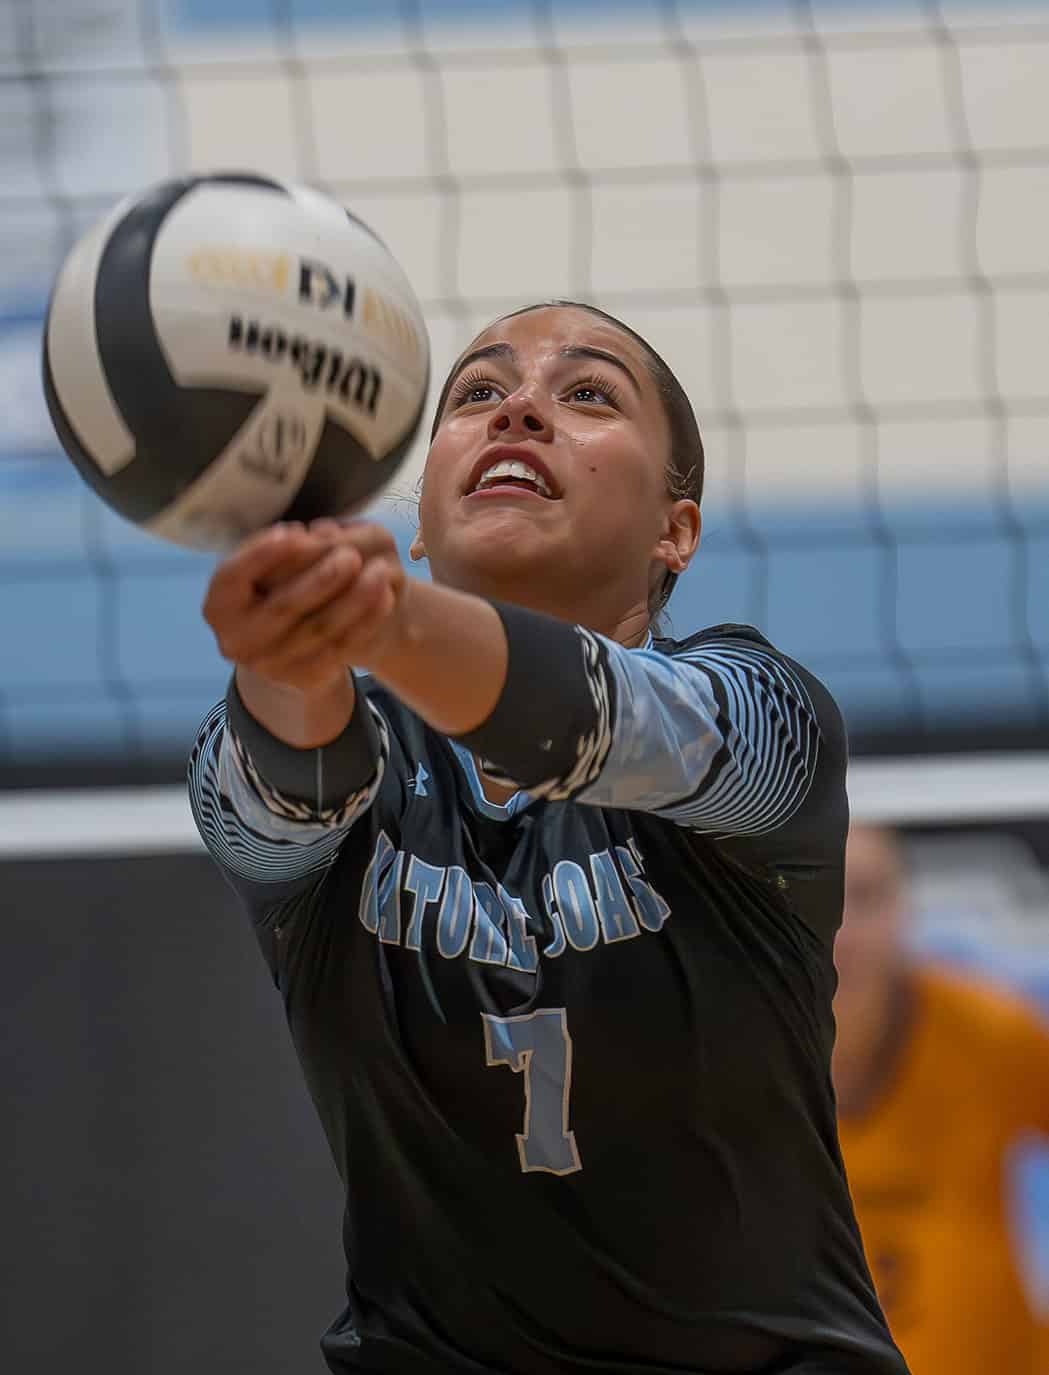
282,769
721,737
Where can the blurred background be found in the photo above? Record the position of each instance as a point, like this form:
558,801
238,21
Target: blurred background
832,220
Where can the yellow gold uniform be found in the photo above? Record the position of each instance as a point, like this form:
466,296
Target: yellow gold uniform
928,1168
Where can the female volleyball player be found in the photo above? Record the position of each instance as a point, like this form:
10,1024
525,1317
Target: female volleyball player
550,902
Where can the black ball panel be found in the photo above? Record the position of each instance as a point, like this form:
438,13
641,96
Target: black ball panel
178,435
147,485
67,435
343,475
162,469
235,179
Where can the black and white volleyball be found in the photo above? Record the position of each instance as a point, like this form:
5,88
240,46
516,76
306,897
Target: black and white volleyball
225,351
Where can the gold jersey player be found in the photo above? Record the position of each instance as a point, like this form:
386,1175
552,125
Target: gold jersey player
550,902
938,1082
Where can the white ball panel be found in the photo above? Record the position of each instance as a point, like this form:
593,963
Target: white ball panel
72,349
315,295
253,481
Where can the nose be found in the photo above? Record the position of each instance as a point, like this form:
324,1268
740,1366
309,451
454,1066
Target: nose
519,417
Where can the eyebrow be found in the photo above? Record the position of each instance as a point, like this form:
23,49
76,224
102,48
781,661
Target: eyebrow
569,351
586,351
488,351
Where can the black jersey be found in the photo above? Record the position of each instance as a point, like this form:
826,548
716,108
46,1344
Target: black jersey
571,1054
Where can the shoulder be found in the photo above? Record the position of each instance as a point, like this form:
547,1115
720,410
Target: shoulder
732,650
979,1017
731,644
711,635
796,731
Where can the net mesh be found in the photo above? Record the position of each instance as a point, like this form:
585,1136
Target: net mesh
830,219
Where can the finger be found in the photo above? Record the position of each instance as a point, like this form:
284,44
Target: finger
375,597
333,627
329,625
338,522
303,594
261,629
327,526
366,535
236,588
298,560
234,581
369,540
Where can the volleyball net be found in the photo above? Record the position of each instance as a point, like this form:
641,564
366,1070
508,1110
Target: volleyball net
829,218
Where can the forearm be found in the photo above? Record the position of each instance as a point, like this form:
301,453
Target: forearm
516,687
723,737
327,781
448,658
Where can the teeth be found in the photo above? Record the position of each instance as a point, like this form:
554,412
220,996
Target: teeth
513,468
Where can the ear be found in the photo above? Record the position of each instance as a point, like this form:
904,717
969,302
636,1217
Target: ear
680,536
417,550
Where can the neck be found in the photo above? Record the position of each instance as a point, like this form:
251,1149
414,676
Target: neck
871,1033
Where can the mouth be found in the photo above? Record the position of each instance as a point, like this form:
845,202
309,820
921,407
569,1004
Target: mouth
508,469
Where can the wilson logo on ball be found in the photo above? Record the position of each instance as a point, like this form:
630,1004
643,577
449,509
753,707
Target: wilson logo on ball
351,379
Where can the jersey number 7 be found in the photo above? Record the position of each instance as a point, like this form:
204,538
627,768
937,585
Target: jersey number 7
538,1044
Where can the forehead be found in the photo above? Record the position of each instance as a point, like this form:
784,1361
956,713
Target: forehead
544,332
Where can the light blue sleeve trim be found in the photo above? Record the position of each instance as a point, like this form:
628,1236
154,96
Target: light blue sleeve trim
740,769
497,811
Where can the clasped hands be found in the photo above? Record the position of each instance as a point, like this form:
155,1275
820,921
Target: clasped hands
299,604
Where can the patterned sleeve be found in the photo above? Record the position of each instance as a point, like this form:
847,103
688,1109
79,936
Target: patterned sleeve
274,817
720,735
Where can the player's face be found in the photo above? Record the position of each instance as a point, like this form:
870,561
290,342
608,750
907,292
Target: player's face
868,950
547,468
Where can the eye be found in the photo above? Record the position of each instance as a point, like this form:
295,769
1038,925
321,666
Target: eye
594,391
472,389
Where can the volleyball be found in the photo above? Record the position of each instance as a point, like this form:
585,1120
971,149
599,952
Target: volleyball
225,351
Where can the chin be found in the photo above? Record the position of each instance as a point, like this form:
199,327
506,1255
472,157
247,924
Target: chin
477,560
